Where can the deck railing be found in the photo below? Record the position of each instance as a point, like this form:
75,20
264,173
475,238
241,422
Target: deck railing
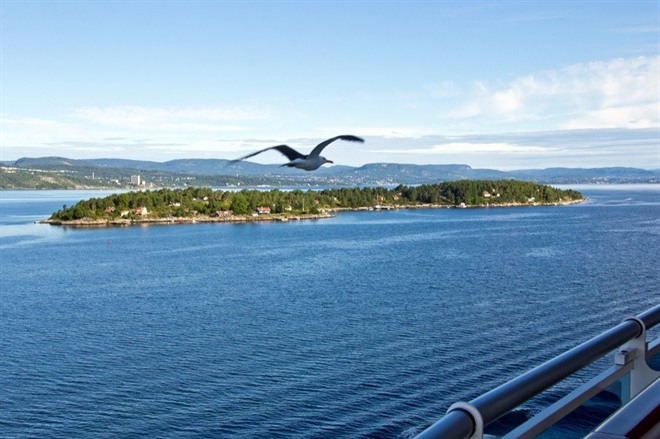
467,420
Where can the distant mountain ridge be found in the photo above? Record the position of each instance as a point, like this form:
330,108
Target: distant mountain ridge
373,173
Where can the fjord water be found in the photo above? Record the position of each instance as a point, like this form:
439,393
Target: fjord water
369,324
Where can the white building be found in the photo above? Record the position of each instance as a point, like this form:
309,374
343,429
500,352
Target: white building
135,180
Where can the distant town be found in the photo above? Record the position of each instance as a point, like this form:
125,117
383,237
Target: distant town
63,173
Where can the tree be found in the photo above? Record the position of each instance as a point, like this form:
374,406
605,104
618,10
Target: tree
239,204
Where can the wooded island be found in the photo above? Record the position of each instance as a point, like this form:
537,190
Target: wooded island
206,205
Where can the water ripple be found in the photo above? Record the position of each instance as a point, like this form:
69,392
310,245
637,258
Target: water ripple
358,326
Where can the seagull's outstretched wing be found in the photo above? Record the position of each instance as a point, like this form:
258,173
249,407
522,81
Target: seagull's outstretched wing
291,153
317,150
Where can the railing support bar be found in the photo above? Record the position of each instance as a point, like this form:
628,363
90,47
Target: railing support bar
634,351
566,405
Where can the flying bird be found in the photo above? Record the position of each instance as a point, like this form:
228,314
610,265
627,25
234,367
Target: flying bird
308,162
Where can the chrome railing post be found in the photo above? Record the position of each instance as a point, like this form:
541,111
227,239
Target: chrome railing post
641,375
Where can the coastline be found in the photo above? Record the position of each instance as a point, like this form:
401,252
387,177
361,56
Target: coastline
232,219
239,219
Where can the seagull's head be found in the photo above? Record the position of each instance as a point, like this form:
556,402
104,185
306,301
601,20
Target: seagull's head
324,160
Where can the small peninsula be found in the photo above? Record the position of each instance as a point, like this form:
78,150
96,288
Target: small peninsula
207,205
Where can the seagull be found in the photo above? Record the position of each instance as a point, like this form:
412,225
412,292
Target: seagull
308,162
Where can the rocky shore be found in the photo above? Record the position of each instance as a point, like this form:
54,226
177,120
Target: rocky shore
234,219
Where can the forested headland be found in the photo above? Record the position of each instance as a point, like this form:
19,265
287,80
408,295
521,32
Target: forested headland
200,203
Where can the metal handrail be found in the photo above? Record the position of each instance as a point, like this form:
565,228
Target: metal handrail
460,422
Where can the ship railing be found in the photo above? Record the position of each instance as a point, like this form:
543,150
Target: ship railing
630,374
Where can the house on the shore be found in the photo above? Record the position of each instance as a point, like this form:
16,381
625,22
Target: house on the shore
264,210
142,211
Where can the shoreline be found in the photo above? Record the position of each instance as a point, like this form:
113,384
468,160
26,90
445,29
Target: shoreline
242,219
232,219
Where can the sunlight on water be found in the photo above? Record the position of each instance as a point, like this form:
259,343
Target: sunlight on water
24,235
545,252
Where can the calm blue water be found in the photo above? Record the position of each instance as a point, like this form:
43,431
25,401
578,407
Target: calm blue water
365,325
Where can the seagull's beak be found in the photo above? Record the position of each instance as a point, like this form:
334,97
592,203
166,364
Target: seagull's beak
329,161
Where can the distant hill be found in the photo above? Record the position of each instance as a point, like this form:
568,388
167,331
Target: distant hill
49,161
211,167
394,173
588,175
218,172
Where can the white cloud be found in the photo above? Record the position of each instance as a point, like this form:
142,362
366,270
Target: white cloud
32,123
639,116
117,131
622,93
467,147
587,148
387,132
27,133
481,148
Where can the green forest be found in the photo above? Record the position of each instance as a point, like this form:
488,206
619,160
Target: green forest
191,202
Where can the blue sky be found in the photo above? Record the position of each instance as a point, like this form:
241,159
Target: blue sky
505,85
